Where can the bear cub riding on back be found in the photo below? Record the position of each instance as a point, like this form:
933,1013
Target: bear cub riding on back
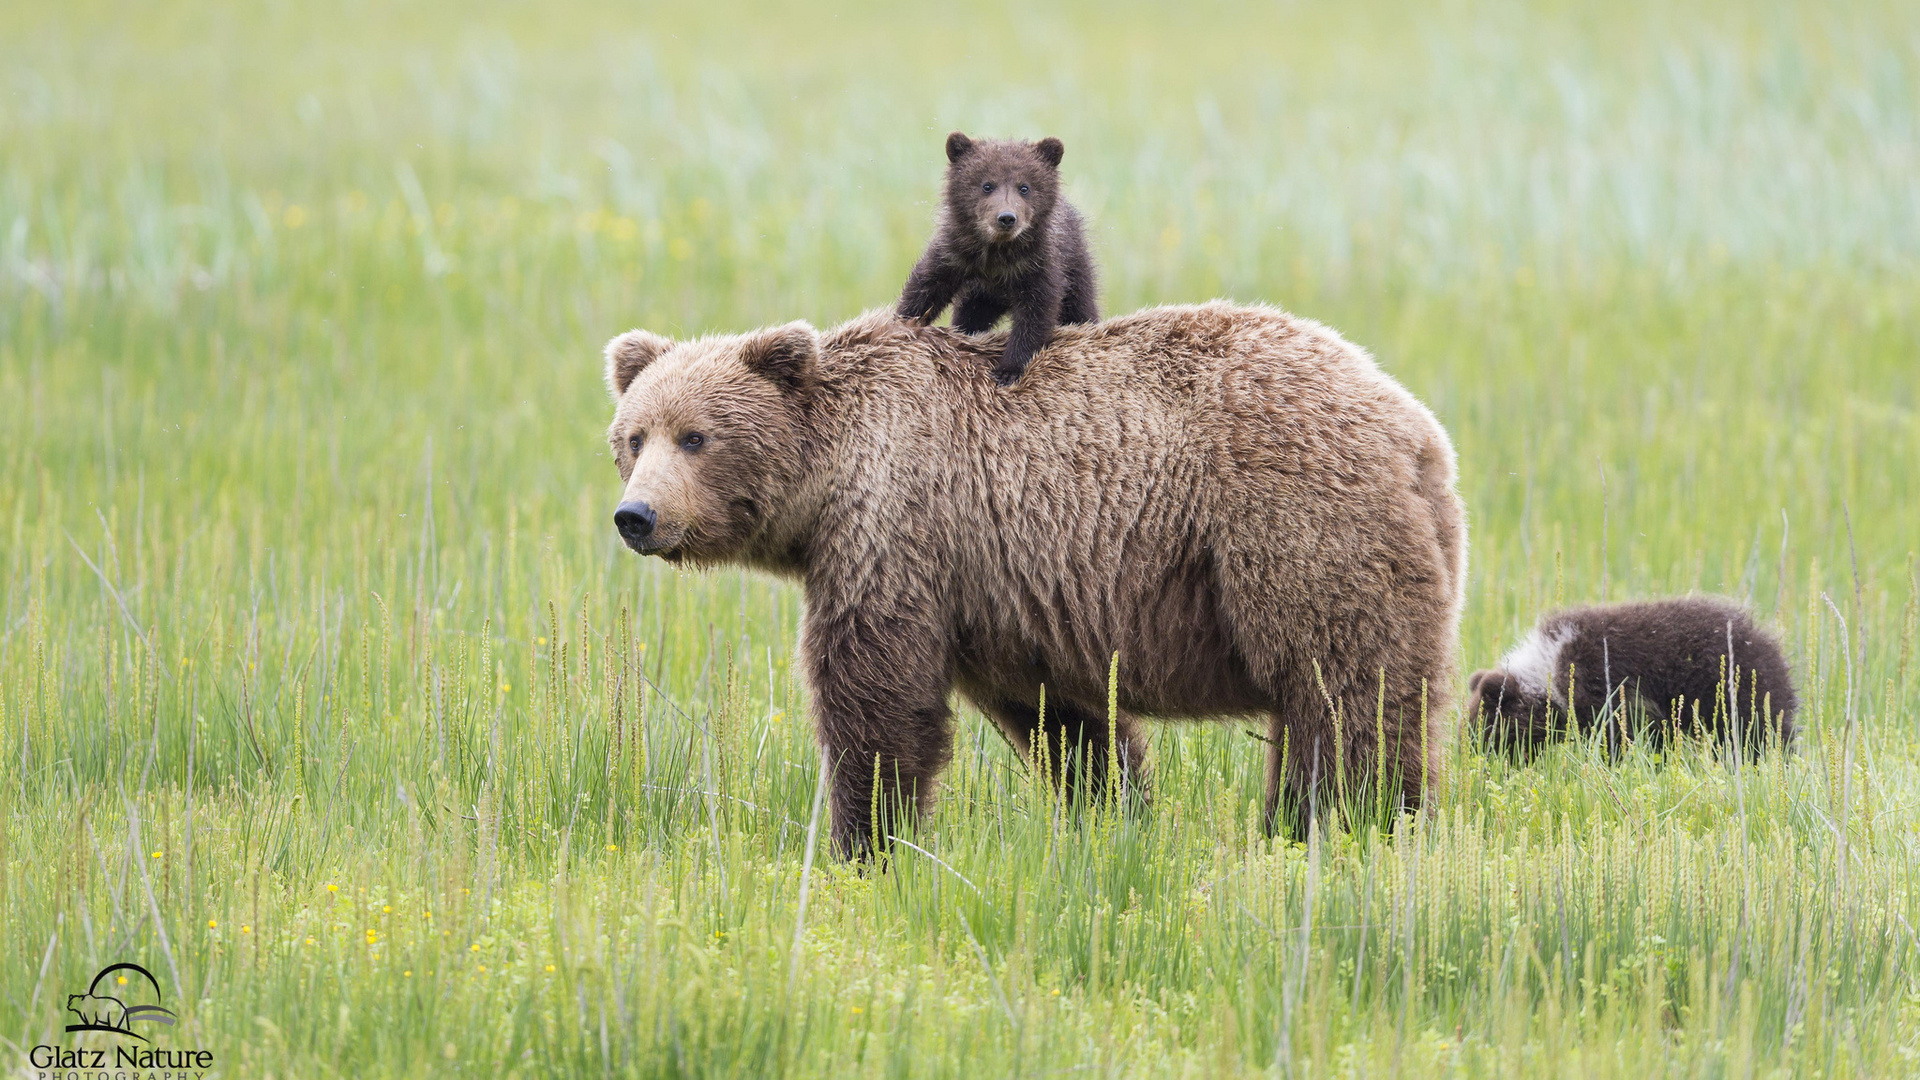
1005,241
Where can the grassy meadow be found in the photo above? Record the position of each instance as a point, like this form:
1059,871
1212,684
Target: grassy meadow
328,695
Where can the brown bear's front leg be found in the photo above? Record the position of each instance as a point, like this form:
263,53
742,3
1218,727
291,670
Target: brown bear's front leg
878,676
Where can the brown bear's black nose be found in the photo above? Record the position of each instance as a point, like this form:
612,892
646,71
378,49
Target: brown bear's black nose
635,520
1006,219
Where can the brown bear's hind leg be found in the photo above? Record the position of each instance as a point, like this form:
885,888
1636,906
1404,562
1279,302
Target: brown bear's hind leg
1076,746
1368,765
1299,756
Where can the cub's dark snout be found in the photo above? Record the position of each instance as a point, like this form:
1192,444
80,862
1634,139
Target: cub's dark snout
635,520
1007,219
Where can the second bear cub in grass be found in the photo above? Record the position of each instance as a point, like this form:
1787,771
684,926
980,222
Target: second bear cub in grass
1698,664
1006,241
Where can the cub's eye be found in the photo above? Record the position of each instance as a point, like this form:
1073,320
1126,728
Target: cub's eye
1023,189
692,440
633,445
988,188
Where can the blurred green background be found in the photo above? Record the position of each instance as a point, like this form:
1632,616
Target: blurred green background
308,578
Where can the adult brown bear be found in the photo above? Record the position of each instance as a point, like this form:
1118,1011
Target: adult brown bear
1236,500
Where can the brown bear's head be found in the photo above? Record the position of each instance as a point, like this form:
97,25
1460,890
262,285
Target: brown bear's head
709,437
998,191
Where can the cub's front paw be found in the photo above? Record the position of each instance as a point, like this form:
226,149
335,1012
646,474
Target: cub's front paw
1007,374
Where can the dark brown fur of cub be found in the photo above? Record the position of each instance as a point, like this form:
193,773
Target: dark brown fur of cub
1237,501
1648,670
1006,241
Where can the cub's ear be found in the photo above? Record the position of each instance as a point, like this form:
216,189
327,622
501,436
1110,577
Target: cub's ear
628,354
1051,150
783,355
958,146
1494,692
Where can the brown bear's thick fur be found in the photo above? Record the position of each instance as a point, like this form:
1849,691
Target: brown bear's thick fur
1236,500
1654,668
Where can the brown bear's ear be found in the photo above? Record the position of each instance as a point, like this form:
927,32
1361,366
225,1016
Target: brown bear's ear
1051,150
628,355
958,146
783,355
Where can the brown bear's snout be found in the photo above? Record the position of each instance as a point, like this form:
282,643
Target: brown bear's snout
1007,219
636,520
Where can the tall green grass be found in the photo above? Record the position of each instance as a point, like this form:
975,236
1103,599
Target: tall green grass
327,694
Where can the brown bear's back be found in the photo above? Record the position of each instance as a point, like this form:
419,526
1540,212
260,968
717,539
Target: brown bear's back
1143,466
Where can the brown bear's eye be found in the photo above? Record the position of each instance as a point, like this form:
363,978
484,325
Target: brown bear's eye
633,445
1023,189
988,188
693,440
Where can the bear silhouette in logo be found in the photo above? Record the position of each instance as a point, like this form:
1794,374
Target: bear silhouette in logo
100,1011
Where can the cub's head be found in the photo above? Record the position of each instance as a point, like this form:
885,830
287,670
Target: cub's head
1509,718
709,437
1001,189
